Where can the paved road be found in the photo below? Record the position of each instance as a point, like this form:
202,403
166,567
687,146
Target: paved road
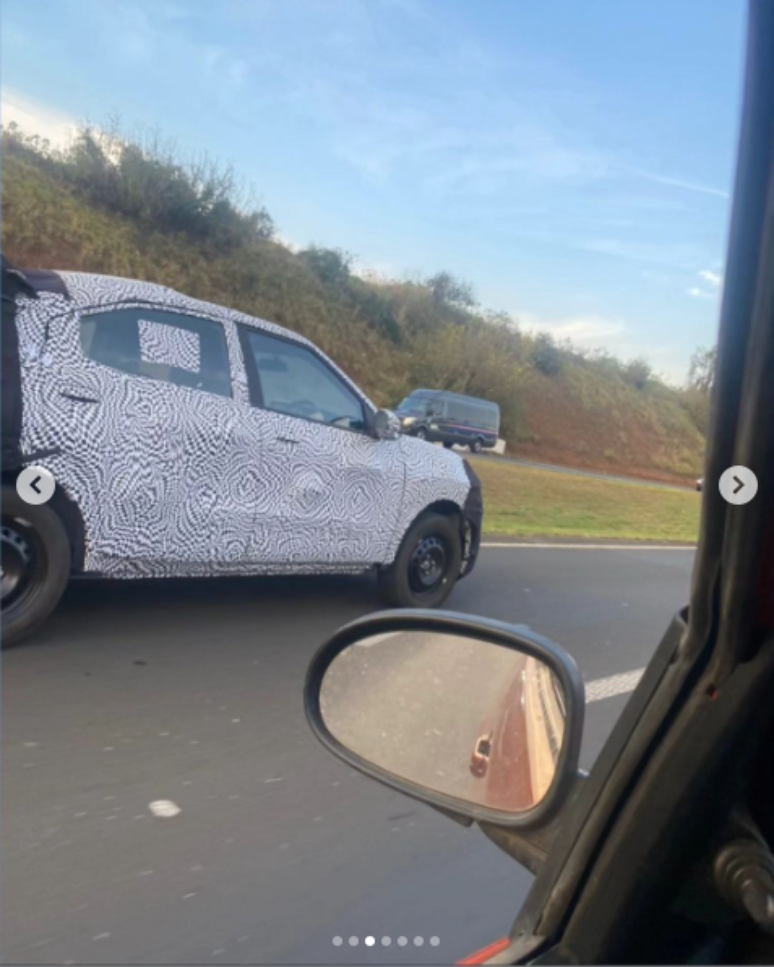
191,692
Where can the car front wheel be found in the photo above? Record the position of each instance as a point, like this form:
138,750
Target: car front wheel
35,565
427,564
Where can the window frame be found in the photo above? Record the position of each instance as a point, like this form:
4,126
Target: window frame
255,387
83,312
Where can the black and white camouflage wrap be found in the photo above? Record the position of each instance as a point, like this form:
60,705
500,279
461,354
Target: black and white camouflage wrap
169,346
175,481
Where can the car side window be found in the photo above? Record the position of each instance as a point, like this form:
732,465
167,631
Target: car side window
291,379
167,346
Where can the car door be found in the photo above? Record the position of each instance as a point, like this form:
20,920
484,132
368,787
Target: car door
331,493
456,422
143,400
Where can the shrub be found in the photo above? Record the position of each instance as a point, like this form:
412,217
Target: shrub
449,290
637,373
546,355
144,179
330,265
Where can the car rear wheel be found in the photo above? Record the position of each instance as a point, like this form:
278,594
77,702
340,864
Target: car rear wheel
35,565
477,445
427,564
448,446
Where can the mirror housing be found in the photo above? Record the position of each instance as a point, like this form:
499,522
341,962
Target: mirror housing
476,630
385,425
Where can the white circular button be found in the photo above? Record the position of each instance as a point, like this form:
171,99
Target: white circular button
738,485
35,485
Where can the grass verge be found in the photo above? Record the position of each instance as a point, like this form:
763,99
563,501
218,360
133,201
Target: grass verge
523,502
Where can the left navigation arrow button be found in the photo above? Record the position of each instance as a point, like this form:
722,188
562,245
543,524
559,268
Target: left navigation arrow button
35,485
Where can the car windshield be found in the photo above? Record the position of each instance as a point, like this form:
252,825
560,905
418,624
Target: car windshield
414,406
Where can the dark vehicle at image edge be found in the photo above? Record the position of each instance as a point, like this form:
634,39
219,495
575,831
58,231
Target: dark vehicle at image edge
439,416
664,852
190,440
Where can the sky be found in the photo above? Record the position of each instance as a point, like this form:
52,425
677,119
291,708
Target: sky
572,159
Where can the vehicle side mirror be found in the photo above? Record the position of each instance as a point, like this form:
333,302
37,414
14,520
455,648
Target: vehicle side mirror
385,425
475,717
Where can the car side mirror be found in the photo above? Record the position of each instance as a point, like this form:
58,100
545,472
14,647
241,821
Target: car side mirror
385,425
475,717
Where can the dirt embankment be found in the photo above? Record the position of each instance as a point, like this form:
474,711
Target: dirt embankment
592,421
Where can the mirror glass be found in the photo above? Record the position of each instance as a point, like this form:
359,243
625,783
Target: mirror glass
458,716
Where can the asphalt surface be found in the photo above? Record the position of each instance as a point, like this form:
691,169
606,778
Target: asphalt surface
190,692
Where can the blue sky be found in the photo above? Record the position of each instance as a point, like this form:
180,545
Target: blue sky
573,160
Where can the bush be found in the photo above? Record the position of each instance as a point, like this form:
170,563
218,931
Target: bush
144,180
448,290
546,355
637,373
330,265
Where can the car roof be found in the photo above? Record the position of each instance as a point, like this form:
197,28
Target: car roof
92,290
435,393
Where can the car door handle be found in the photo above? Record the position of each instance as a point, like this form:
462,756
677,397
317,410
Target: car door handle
79,397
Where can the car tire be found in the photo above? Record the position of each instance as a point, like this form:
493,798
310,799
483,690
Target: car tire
36,565
421,433
427,564
448,446
477,445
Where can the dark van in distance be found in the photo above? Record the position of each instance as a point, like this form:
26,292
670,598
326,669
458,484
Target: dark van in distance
449,418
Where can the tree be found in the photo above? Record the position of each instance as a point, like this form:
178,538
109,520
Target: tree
447,289
546,355
697,394
637,372
330,265
701,373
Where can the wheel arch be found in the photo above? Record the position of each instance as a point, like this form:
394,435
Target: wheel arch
69,513
444,506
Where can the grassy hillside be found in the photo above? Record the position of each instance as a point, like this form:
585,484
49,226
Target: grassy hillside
128,209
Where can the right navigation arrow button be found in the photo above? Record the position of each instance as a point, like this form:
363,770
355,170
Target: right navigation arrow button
738,485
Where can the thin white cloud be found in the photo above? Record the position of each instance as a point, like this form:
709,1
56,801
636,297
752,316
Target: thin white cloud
589,331
679,183
714,278
36,118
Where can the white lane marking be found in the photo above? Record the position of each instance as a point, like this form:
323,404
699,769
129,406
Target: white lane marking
592,547
613,685
164,808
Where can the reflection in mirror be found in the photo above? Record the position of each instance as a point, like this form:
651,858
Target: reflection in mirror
459,716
